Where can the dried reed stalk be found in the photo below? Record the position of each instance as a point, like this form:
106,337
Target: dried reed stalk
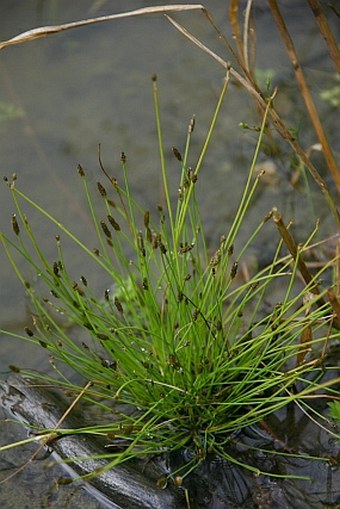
326,32
301,81
235,26
37,33
290,243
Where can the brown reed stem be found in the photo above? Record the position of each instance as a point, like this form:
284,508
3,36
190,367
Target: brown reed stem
312,111
326,32
294,251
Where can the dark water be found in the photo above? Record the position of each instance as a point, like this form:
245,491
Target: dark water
61,96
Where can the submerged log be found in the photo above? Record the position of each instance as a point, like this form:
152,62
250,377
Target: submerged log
215,484
123,485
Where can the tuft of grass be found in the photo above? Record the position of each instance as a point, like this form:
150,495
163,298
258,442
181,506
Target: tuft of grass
187,347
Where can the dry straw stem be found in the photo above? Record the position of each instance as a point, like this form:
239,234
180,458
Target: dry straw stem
241,41
246,34
335,303
292,247
233,16
301,81
334,295
326,32
38,33
294,251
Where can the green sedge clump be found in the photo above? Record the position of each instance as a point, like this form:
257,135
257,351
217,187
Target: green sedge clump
174,336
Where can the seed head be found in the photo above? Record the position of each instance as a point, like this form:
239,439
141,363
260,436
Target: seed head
118,305
234,269
80,170
28,332
15,224
177,154
146,218
192,124
101,189
113,223
105,229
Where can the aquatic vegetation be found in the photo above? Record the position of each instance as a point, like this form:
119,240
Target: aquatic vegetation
181,350
175,337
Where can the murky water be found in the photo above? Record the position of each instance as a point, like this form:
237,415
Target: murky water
61,96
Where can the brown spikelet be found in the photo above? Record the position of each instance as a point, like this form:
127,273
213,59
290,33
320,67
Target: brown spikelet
113,223
15,225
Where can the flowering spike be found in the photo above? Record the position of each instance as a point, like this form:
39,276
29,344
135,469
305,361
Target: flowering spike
15,224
